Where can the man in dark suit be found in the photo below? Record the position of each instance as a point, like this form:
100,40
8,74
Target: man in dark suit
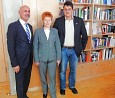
73,38
19,42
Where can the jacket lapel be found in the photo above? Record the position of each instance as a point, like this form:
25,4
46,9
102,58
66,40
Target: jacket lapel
22,32
50,35
43,35
76,25
63,25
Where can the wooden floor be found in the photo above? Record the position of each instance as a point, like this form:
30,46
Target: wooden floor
101,87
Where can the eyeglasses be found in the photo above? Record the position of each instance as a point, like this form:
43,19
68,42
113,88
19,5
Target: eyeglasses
67,9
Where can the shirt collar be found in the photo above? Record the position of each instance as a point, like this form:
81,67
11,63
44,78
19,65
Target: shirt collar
22,22
70,19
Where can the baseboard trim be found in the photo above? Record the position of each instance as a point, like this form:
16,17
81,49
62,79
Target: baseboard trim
33,89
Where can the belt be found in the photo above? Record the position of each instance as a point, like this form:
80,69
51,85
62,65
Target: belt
69,47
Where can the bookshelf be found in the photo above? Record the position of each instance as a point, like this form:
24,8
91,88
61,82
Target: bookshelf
98,57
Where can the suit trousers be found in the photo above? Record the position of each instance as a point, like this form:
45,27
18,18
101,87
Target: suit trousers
49,67
22,81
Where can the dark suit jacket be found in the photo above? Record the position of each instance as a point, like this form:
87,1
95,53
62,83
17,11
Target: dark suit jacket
19,49
79,30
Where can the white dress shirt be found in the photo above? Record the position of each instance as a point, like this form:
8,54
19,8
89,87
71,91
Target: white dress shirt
23,23
47,32
69,33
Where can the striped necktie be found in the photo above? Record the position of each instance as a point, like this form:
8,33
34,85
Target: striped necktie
28,33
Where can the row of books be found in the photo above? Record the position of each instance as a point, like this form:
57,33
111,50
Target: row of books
83,13
102,28
107,28
108,14
96,55
77,1
80,12
107,2
101,55
65,0
101,42
82,1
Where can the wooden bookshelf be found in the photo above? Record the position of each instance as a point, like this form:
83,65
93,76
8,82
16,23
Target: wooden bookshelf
105,6
98,35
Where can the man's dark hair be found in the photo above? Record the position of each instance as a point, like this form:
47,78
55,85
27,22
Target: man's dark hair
68,3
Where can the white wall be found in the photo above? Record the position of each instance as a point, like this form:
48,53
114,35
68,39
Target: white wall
47,5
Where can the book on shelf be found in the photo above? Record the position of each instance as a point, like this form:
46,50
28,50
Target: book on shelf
94,56
65,0
79,12
107,41
113,28
107,28
86,13
112,42
83,57
109,2
100,55
94,43
102,42
113,14
107,53
82,1
87,28
104,14
110,53
106,2
104,28
103,54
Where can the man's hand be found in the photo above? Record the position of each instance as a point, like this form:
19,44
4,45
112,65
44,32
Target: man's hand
16,69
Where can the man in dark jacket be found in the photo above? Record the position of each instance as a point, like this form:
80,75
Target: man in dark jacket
73,38
19,42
